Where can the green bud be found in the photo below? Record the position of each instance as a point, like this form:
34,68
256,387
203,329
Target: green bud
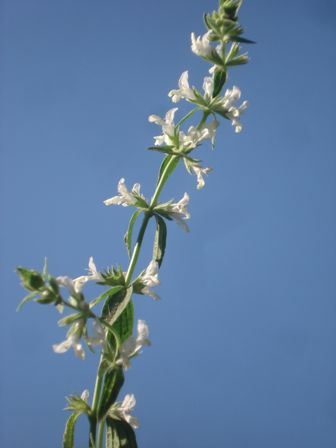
30,279
47,297
54,285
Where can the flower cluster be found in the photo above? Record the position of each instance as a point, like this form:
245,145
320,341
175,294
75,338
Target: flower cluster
173,137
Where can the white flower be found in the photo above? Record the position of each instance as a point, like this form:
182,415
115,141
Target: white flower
94,275
85,395
168,127
72,340
195,136
201,45
125,198
123,410
233,112
98,336
178,211
188,93
150,278
184,90
208,85
200,172
133,345
75,286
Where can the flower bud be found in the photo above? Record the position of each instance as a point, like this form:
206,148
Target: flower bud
31,280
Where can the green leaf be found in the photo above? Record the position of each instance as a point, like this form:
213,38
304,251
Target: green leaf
105,295
242,40
219,81
113,382
207,21
119,434
69,432
128,234
25,300
162,149
164,164
239,60
123,326
115,304
159,240
67,320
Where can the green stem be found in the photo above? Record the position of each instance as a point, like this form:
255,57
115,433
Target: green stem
95,401
100,434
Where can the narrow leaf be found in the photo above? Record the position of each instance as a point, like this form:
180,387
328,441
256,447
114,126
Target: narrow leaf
219,81
165,162
113,382
116,304
159,240
107,294
25,300
128,234
123,326
69,432
242,40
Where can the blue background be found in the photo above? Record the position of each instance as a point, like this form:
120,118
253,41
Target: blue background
243,340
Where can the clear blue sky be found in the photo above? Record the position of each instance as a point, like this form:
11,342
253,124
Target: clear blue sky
243,340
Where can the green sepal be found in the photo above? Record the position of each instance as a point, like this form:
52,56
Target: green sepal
113,382
113,277
30,279
159,240
69,431
77,404
119,434
128,234
219,81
